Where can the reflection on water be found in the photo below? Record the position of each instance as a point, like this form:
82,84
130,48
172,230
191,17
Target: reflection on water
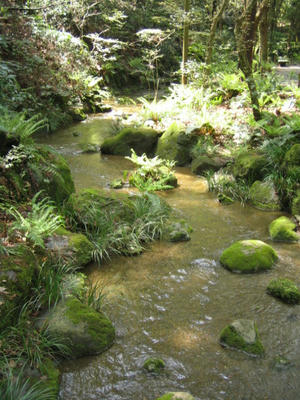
173,300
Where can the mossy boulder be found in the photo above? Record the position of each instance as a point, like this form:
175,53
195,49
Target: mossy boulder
177,231
242,335
77,113
85,331
74,248
285,290
205,163
296,204
292,156
250,166
264,197
248,256
154,365
141,140
176,396
282,229
176,145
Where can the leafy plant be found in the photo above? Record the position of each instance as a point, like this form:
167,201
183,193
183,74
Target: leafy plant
39,223
152,174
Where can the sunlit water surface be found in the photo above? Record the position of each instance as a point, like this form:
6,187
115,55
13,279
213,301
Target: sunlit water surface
173,300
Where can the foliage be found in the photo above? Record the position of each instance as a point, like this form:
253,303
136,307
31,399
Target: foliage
39,223
151,174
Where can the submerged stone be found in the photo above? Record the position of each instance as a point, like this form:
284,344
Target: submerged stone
282,229
285,290
264,197
154,365
176,396
89,148
177,231
85,331
141,140
242,335
248,256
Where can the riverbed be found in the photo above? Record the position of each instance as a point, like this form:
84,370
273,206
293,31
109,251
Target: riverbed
173,300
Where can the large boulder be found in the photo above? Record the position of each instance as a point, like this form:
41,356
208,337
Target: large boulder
247,256
176,396
242,335
176,145
85,331
141,140
282,229
249,166
285,290
205,163
263,196
74,248
292,156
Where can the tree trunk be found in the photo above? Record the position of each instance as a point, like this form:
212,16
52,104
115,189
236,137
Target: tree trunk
264,36
213,29
246,30
185,41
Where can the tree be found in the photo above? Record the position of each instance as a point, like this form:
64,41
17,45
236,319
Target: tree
246,34
185,41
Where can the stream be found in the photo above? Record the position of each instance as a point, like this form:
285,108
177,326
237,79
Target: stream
172,301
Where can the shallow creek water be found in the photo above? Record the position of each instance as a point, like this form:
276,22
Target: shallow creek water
173,300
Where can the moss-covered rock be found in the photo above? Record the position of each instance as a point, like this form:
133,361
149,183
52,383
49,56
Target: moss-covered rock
154,365
74,248
205,163
176,145
247,256
264,197
282,229
116,184
177,231
84,330
141,140
176,396
77,113
242,335
249,166
285,290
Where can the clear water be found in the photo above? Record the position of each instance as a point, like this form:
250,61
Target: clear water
173,300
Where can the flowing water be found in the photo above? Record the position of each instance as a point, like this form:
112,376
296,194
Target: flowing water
173,300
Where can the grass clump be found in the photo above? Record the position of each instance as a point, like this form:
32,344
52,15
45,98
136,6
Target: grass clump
152,173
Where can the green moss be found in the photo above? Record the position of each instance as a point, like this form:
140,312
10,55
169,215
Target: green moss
141,140
98,326
89,147
231,338
167,396
285,290
205,163
282,230
176,145
176,396
247,256
263,196
80,247
177,231
249,166
154,365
